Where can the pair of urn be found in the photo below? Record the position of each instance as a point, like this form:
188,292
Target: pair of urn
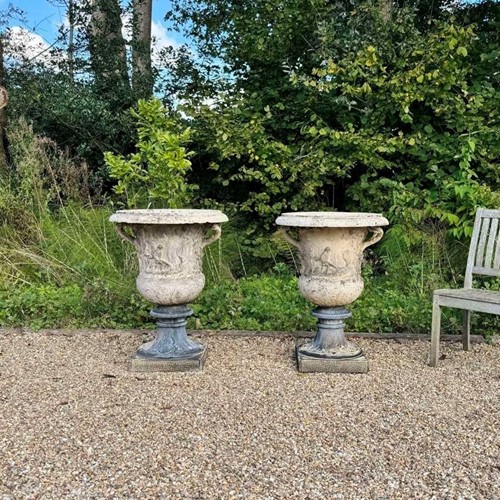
170,244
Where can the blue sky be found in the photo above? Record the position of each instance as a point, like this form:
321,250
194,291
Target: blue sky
44,18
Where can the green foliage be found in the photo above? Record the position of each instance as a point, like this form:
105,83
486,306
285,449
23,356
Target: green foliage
41,306
61,264
72,114
321,106
378,115
254,171
261,302
54,249
73,305
415,119
155,175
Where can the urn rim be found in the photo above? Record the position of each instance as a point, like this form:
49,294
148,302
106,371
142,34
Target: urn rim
168,216
331,219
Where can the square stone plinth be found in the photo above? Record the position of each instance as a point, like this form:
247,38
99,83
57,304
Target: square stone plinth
193,364
310,364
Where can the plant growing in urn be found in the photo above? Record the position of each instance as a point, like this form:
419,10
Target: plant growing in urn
169,246
331,248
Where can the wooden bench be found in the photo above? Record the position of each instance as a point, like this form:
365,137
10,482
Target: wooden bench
484,259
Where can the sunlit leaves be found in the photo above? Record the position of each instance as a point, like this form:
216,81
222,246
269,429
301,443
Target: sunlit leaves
154,176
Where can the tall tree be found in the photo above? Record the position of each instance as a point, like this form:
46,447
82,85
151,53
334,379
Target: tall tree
71,38
107,48
142,76
3,103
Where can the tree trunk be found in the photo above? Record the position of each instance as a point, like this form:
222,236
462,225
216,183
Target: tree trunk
3,112
107,49
142,78
386,9
71,39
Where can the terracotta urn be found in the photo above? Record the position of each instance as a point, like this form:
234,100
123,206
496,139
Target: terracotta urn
331,246
169,245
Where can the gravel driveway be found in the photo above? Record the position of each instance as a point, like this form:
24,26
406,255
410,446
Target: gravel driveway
74,423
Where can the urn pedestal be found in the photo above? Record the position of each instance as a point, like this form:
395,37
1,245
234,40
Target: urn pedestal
169,246
331,246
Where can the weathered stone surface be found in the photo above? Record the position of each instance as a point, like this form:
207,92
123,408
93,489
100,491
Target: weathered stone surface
331,219
331,246
168,216
313,364
193,364
169,246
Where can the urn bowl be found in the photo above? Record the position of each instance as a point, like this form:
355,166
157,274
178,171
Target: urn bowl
331,246
169,246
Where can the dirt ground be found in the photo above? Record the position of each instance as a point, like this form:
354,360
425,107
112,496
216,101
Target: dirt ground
75,423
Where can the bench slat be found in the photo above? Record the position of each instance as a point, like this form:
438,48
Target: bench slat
470,305
490,213
496,262
471,294
482,241
486,271
491,243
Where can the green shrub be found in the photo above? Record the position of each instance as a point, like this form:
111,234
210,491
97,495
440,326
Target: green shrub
61,264
41,306
261,302
392,118
155,175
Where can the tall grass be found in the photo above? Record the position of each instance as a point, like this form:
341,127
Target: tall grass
56,244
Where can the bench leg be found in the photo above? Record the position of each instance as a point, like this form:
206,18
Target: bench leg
466,331
435,332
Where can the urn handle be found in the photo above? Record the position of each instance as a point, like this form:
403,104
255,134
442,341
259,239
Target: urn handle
290,239
216,228
121,232
378,232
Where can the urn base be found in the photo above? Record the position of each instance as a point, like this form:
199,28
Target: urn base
314,364
193,364
171,350
330,351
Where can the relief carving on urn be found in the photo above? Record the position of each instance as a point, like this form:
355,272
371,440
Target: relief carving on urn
179,254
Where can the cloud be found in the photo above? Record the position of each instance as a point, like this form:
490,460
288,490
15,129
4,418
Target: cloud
25,45
160,41
160,37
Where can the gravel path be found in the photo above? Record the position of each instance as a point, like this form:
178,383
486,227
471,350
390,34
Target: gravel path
74,423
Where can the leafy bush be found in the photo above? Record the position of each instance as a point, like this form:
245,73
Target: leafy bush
327,108
392,118
155,175
264,302
63,265
41,306
417,120
74,114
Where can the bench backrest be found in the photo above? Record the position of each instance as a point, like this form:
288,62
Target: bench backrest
484,252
